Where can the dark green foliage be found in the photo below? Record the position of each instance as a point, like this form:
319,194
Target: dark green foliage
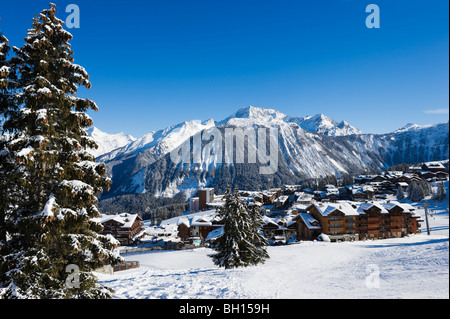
441,193
241,244
416,192
400,193
146,205
50,209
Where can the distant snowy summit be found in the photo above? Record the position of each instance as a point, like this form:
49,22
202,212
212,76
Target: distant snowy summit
308,147
163,141
411,127
318,123
108,142
322,124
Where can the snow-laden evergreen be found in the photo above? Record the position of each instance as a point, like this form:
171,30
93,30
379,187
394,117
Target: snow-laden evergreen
441,193
400,193
416,192
241,244
49,209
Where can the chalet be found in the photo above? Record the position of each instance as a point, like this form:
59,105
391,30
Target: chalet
413,169
269,197
441,176
279,229
299,208
354,221
433,176
427,175
331,197
361,192
290,189
383,187
373,221
319,195
403,179
280,202
308,228
433,167
197,225
403,219
303,198
392,175
363,179
378,179
123,227
270,227
183,225
337,220
278,191
203,225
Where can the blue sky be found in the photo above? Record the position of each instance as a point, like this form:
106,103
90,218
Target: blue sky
157,63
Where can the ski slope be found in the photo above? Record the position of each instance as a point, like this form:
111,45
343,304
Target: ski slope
410,267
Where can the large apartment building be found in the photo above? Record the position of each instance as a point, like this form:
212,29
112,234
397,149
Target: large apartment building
357,221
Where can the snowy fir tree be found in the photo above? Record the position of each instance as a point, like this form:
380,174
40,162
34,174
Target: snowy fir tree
5,105
441,193
10,176
426,188
49,212
241,244
257,237
415,192
400,193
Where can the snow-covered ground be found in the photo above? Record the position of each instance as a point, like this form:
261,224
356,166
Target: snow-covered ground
410,267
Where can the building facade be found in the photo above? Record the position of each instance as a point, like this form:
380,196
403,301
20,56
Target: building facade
356,221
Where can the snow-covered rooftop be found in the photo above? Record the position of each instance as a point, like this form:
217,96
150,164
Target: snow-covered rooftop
125,220
327,208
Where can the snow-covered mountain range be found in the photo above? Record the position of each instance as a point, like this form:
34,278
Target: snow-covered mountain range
322,124
108,142
307,147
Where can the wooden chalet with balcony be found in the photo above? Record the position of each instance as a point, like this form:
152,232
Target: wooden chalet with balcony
355,221
123,227
337,220
308,228
197,225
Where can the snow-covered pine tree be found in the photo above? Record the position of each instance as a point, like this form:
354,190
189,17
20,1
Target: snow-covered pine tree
240,245
10,177
441,193
5,100
425,187
258,240
52,226
415,192
400,193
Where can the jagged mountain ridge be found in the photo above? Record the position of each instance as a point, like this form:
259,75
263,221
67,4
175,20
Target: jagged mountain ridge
140,167
108,142
322,124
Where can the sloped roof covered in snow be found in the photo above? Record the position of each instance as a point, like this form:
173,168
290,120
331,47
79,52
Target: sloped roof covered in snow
125,220
363,207
310,221
327,208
